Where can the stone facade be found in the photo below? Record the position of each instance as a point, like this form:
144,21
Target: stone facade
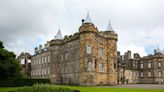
152,68
40,65
25,62
89,57
128,71
146,70
98,66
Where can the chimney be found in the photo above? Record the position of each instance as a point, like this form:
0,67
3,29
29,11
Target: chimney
136,56
118,54
129,56
125,56
40,48
36,50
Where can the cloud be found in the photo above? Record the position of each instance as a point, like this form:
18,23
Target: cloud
26,24
23,23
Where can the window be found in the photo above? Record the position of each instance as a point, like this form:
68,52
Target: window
134,73
48,71
36,62
159,64
45,59
101,52
89,49
149,74
141,74
48,58
149,65
66,69
39,72
141,66
160,74
66,56
101,67
40,60
22,61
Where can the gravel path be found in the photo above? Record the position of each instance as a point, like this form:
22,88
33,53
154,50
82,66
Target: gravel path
141,86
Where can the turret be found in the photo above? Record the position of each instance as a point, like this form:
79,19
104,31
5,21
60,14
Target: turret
111,37
87,25
59,35
55,47
110,33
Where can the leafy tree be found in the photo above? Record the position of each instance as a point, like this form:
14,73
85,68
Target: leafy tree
9,66
1,45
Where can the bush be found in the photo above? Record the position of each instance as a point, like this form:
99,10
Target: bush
22,82
44,88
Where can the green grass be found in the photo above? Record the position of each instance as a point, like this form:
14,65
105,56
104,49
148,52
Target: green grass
6,89
93,89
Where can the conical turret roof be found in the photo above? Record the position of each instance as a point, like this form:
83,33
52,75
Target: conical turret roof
109,27
88,19
59,35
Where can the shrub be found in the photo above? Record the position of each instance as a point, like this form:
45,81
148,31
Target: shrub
44,88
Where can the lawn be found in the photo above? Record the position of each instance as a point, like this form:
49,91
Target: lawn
93,89
6,89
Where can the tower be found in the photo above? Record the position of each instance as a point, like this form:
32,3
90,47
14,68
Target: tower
98,54
87,45
55,48
112,38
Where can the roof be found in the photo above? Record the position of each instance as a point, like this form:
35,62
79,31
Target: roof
59,35
87,19
109,27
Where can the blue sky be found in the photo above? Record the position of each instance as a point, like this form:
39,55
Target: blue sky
27,24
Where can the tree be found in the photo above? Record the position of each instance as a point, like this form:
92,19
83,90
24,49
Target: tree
9,66
1,45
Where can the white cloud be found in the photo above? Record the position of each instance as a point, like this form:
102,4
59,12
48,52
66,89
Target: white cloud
25,24
133,48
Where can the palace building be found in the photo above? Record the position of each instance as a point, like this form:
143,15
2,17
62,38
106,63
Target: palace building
88,57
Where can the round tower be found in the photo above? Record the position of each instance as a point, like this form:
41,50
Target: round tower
112,38
55,48
87,42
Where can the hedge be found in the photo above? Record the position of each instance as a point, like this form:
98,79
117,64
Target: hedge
44,88
22,82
